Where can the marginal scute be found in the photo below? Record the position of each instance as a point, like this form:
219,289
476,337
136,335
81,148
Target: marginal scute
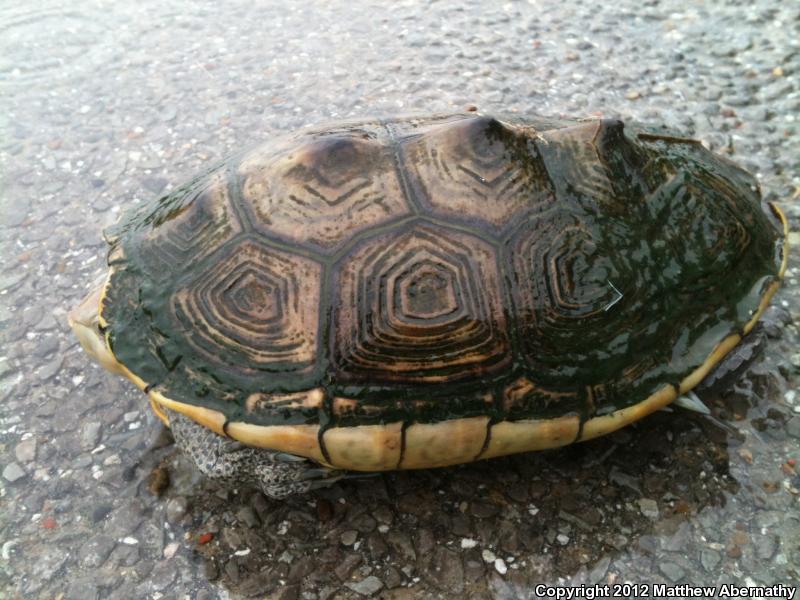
322,190
442,444
605,424
511,437
302,440
365,448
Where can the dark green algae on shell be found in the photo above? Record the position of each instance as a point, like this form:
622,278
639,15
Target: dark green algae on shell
431,268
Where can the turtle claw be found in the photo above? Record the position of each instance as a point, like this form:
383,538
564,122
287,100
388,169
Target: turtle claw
322,477
691,401
320,474
358,474
288,458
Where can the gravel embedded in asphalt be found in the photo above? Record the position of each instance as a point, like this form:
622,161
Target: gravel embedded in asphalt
111,103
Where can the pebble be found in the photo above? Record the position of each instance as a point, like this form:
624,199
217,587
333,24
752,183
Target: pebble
170,549
96,550
176,508
347,565
383,514
367,587
449,570
90,434
500,566
130,417
50,368
25,451
82,589
484,510
401,544
324,510
734,552
649,508
671,571
248,516
13,472
793,427
47,346
349,537
488,556
598,572
210,569
112,459
154,185
393,578
562,539
162,575
765,545
5,552
232,536
710,559
168,113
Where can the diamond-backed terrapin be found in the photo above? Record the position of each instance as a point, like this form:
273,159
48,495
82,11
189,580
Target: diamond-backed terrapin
420,292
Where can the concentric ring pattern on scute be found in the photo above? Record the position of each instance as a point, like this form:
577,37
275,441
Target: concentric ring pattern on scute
323,189
188,225
255,308
477,169
574,271
430,268
418,305
614,289
570,280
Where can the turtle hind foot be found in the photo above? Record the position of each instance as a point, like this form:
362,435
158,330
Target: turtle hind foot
277,474
279,480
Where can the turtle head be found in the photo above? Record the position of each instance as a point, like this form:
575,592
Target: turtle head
85,322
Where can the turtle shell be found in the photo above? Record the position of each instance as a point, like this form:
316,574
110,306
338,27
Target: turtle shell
416,292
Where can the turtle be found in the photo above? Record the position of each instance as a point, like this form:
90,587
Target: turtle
423,291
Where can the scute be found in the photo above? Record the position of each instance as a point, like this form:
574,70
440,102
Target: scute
511,276
582,295
188,225
253,309
320,191
419,304
477,169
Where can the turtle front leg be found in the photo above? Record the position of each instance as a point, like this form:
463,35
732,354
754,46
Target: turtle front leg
277,474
